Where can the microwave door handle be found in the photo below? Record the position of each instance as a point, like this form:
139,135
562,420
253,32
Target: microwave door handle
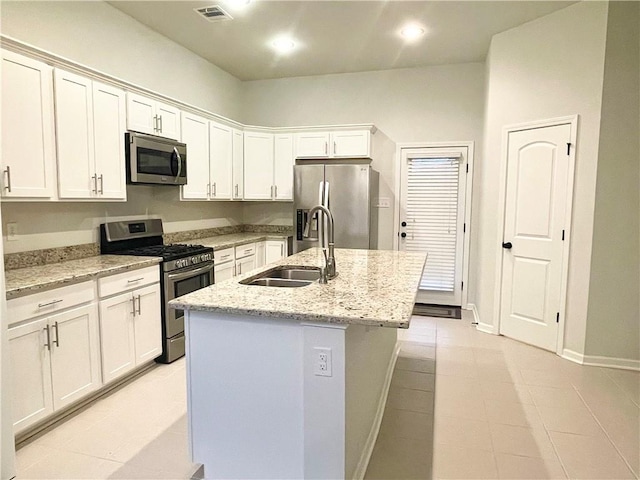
175,151
191,273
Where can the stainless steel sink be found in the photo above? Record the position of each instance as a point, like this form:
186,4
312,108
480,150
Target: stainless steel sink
284,276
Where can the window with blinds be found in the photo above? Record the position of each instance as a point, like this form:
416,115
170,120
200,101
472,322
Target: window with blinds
432,217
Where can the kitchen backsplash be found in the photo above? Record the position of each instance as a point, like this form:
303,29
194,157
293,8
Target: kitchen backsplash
48,256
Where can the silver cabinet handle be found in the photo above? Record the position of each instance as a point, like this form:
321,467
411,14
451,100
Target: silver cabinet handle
326,148
275,187
214,189
133,305
223,257
101,178
281,250
208,189
48,304
48,343
135,280
155,123
57,340
271,191
236,195
160,123
94,178
139,306
334,147
7,185
239,268
248,250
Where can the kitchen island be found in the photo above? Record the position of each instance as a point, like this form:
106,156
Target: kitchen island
291,382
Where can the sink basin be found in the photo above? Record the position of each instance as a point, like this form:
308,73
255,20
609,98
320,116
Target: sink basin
278,282
285,276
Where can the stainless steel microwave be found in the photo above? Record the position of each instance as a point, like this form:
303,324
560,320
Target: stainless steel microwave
155,160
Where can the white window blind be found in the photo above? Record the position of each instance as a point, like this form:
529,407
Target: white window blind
432,212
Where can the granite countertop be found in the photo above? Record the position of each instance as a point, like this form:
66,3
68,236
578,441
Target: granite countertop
234,239
25,281
373,287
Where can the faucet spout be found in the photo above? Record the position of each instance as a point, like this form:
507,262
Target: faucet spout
330,259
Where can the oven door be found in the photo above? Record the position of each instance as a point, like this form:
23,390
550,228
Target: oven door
156,160
181,282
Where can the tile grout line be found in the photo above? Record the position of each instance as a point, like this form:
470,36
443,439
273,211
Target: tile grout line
624,392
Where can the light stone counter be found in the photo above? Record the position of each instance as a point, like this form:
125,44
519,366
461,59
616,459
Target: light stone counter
373,287
25,281
234,239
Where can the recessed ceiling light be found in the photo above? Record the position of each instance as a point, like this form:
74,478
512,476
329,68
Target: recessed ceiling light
412,31
283,45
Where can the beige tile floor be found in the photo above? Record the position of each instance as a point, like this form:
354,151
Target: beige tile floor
462,404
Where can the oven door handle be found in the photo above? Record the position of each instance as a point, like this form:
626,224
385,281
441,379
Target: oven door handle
189,273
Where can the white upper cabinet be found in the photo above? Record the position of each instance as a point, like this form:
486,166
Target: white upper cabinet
28,142
221,161
238,164
258,166
336,144
90,127
195,133
283,167
146,115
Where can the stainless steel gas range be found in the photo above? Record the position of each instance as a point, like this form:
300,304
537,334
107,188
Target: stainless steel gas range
184,269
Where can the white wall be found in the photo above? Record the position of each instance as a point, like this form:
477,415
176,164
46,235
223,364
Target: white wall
613,321
550,67
95,34
429,104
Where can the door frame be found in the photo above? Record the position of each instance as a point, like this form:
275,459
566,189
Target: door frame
506,130
467,203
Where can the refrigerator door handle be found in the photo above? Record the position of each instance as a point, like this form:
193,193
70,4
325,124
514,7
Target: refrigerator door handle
325,219
320,216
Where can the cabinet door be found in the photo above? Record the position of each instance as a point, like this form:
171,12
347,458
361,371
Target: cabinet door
352,144
224,271
275,250
109,127
147,323
238,165
117,336
30,373
141,115
28,142
312,145
169,121
195,133
258,166
283,167
74,135
260,254
221,160
245,265
75,354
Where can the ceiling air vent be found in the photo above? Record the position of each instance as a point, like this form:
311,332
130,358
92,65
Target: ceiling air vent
214,13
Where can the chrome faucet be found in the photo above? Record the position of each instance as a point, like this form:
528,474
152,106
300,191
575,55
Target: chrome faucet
330,259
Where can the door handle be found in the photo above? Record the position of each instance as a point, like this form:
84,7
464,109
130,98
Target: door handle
507,245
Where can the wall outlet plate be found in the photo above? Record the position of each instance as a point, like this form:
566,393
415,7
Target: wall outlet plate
322,362
12,231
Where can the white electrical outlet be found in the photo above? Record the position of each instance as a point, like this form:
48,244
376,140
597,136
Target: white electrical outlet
322,362
12,231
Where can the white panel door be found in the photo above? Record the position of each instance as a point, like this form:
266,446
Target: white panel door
537,181
30,372
74,136
109,126
432,214
141,114
221,161
312,145
351,144
147,323
168,121
195,133
258,166
117,336
28,142
238,165
283,167
75,354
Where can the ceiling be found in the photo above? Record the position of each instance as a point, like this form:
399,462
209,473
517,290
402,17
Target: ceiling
335,36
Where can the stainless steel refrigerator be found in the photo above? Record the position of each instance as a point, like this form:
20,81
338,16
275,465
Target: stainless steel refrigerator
349,191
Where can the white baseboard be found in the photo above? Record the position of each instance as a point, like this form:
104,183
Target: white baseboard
482,327
598,361
363,463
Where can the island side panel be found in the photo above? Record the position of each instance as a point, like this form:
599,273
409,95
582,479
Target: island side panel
245,395
371,354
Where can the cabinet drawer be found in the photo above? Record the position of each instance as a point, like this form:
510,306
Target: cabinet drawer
222,256
245,250
128,280
44,303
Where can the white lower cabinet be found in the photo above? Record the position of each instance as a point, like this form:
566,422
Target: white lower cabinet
275,250
224,271
54,362
260,254
245,265
130,330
